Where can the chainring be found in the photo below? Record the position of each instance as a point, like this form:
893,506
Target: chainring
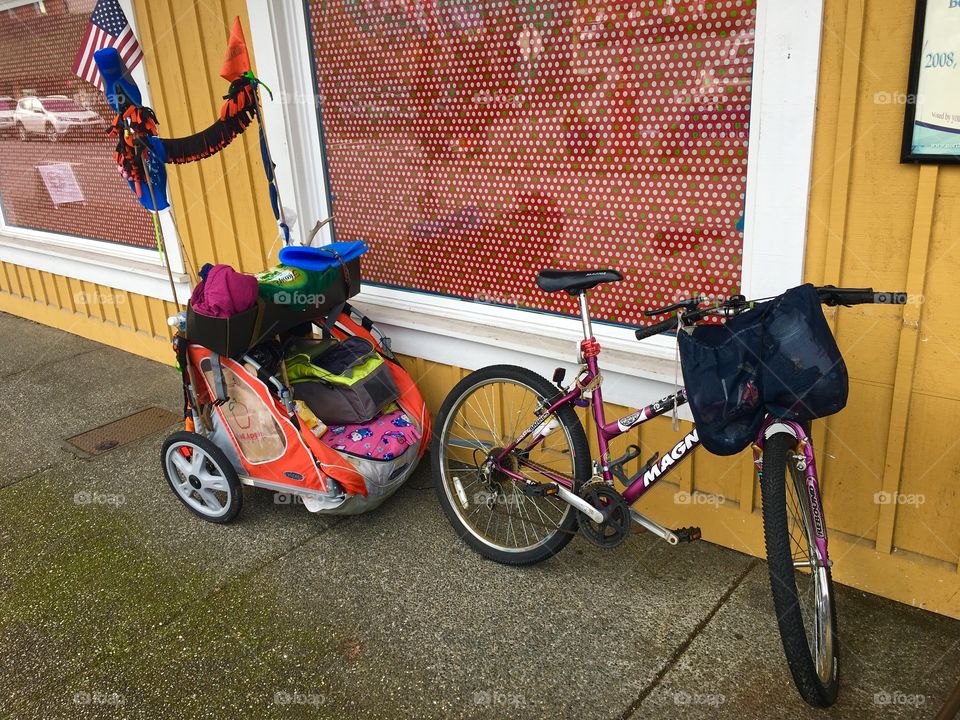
616,527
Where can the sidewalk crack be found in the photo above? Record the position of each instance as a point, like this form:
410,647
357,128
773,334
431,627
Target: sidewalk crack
51,361
682,647
32,474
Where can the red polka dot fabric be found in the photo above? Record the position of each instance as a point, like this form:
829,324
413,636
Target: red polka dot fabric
62,182
473,143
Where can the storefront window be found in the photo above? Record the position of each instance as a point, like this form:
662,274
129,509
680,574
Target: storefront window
57,171
472,143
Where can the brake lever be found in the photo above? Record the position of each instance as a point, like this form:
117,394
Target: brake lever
683,304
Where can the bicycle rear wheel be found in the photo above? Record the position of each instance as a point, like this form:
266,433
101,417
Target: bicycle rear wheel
485,412
802,585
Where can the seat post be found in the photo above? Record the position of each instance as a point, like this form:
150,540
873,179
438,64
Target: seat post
585,316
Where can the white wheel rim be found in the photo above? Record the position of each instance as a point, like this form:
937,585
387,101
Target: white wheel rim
198,480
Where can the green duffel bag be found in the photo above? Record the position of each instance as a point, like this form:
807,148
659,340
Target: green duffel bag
344,382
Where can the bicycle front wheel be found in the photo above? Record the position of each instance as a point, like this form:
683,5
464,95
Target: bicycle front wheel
485,413
802,585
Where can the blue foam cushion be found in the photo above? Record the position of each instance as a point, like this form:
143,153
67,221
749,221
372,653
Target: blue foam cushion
321,258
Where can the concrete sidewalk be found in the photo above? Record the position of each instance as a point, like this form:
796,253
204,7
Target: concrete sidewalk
117,602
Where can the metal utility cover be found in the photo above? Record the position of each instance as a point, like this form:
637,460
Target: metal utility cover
123,431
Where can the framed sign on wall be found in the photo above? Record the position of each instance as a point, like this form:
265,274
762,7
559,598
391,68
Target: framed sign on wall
931,128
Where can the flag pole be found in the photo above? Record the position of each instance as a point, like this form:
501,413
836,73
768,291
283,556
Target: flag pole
158,228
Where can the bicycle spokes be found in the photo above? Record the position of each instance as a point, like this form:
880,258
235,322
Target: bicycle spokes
488,493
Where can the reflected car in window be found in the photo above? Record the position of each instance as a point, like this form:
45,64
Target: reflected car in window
54,117
7,108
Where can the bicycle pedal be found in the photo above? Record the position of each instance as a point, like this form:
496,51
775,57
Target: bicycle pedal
540,489
687,534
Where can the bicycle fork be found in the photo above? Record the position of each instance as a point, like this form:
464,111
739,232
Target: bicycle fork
806,463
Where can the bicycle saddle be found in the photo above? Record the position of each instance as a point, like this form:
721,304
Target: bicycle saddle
575,281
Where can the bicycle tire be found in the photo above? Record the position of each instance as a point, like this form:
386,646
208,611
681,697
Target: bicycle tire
819,690
579,449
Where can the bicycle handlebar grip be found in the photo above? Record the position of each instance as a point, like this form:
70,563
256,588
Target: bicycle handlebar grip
833,296
830,295
890,298
656,329
856,297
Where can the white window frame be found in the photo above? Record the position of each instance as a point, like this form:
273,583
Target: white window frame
471,335
14,4
123,267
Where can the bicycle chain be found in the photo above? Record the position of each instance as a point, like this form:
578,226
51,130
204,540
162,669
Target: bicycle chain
595,480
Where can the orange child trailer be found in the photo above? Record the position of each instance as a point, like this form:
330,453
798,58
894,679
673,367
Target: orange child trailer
243,429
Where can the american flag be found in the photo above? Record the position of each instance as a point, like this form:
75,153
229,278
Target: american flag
108,28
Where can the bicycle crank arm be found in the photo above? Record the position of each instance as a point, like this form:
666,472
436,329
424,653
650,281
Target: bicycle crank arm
656,528
580,504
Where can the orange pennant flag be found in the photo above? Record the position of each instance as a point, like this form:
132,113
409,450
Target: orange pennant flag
237,61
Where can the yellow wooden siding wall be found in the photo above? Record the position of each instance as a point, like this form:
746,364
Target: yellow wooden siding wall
221,204
872,222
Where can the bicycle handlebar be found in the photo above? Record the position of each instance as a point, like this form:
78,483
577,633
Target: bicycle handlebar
829,295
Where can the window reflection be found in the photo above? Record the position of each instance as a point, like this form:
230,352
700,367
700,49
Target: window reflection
56,162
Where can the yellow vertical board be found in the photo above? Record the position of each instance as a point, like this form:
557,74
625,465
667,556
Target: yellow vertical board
125,310
141,314
170,40
927,500
7,284
86,300
715,475
825,146
435,382
163,69
938,342
23,280
64,294
850,462
907,351
36,285
204,31
50,290
77,296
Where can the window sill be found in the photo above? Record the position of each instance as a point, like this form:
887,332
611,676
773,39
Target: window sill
473,335
129,269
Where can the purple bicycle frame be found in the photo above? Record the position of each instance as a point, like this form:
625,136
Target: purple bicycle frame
665,464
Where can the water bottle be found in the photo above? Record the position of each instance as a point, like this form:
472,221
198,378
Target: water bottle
178,321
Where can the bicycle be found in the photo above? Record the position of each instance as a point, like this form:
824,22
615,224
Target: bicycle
516,490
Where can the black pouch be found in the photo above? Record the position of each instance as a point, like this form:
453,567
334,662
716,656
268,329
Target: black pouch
722,372
804,376
778,358
348,382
